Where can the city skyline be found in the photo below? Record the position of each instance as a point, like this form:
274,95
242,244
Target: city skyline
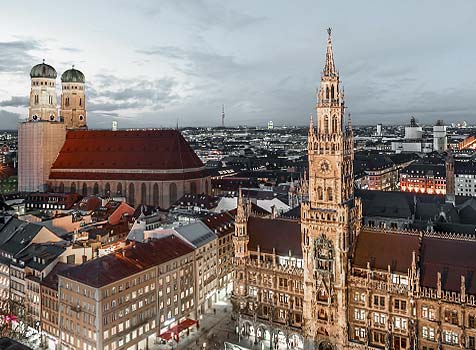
159,65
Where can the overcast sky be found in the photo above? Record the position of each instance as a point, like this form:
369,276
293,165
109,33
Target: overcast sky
155,63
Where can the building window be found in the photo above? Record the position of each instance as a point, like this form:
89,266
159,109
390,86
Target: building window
359,314
131,194
379,301
471,321
359,333
451,316
450,337
400,306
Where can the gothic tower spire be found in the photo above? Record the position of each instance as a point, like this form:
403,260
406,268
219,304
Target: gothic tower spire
330,219
329,68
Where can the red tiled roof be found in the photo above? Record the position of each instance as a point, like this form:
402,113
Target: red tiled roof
381,249
126,149
282,235
131,260
222,224
452,258
79,175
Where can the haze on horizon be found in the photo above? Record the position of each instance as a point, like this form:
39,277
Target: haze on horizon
154,64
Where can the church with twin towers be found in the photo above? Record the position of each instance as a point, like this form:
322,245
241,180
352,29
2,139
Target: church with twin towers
57,152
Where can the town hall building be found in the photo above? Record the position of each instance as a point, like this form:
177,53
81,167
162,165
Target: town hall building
327,282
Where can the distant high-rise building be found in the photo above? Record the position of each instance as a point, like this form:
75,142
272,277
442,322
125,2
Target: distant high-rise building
379,130
270,125
222,116
440,143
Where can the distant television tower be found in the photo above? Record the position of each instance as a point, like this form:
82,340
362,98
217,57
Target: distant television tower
222,116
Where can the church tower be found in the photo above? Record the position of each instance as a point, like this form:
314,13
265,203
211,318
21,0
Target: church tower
330,220
41,137
43,93
73,100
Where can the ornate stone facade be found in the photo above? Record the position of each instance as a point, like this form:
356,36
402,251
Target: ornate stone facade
330,220
340,285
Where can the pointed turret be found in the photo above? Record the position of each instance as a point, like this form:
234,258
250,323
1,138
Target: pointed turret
311,127
329,68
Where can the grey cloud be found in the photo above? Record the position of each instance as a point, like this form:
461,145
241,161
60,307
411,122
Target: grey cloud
202,14
16,101
16,57
200,63
109,93
71,49
8,120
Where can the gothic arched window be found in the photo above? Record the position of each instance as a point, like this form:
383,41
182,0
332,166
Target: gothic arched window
73,187
85,189
155,195
131,194
327,92
143,193
334,124
119,188
61,188
193,188
329,193
320,193
173,192
96,188
107,189
326,124
332,92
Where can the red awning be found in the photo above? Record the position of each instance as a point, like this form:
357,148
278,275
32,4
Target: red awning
177,329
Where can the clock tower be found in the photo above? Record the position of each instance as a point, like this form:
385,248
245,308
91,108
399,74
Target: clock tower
330,220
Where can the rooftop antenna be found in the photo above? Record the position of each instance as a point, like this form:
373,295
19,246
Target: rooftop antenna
222,116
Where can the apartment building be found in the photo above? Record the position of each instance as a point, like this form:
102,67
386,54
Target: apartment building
129,298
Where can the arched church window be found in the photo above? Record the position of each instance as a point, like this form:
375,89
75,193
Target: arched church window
173,193
61,188
320,193
327,92
119,188
155,195
332,92
143,193
329,193
73,187
96,188
80,101
326,124
85,189
131,194
107,189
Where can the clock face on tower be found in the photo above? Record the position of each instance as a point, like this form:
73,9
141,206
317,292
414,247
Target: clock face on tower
324,167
